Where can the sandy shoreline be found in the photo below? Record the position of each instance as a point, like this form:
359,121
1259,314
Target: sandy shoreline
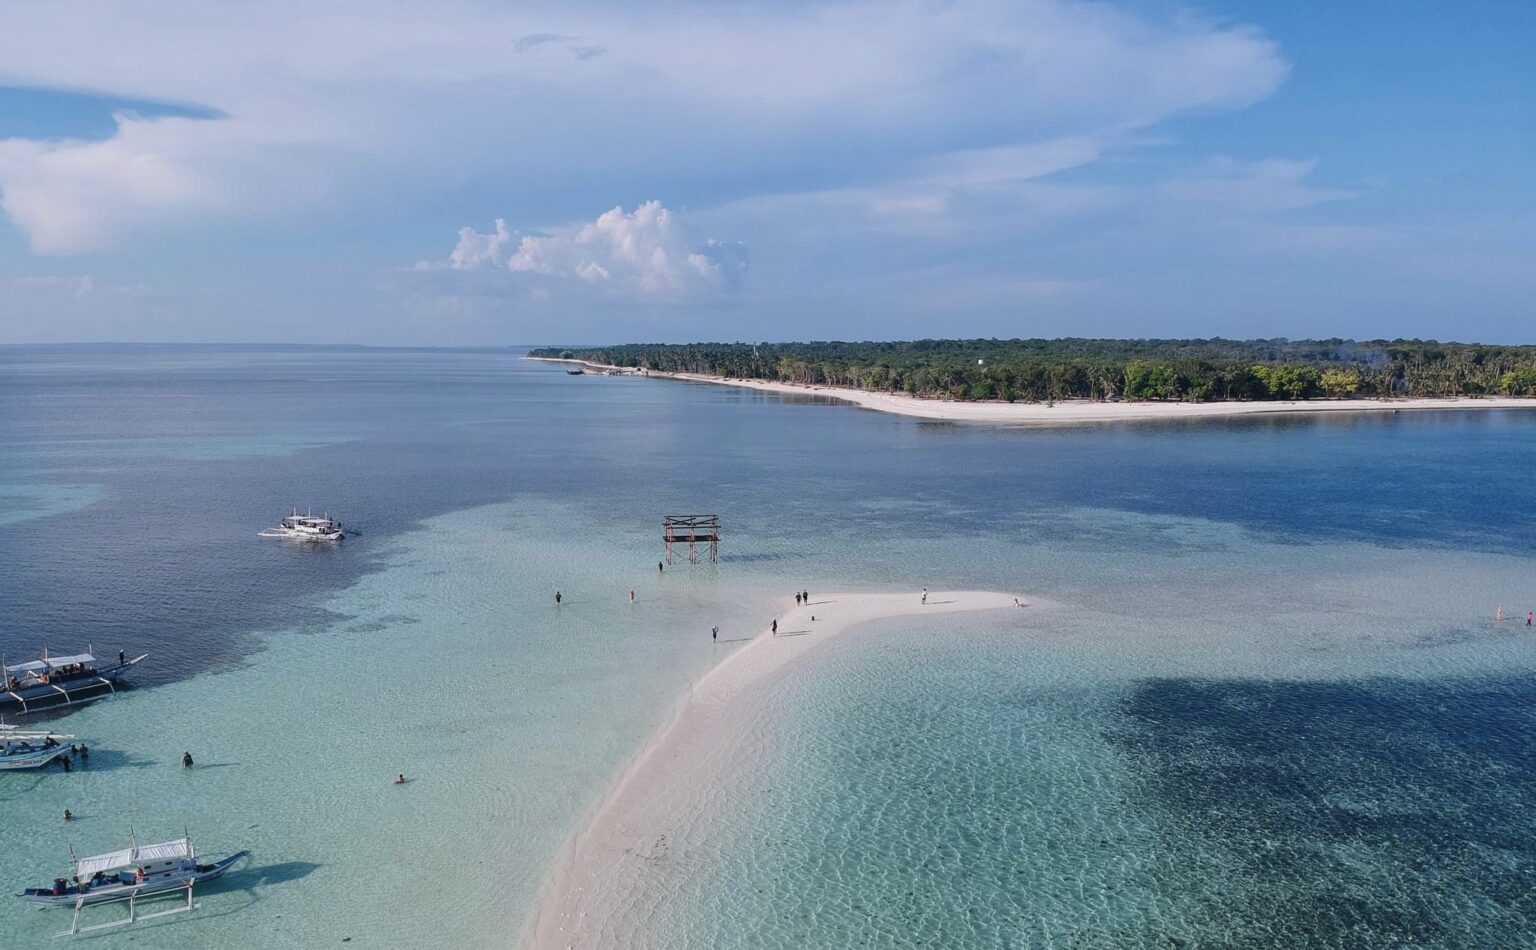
1077,411
684,750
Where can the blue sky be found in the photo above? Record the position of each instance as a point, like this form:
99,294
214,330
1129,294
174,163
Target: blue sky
473,173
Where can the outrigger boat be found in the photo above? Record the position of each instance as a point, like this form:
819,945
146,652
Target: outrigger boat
29,749
139,872
306,527
55,681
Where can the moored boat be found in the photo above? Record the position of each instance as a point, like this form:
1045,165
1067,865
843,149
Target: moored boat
30,749
55,681
139,872
306,527
575,371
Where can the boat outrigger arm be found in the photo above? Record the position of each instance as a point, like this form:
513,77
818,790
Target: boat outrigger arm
129,857
179,854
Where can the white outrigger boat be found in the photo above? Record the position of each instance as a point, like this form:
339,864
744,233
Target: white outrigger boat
306,527
29,749
136,873
55,681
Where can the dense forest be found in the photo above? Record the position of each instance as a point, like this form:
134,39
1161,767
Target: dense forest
1048,370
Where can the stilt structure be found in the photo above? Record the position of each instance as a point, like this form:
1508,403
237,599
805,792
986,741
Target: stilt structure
695,530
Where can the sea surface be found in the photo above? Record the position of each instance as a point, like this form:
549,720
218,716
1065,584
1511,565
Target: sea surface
1262,699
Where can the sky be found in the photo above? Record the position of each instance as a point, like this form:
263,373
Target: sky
470,173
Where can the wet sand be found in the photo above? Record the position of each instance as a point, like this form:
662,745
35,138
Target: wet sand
685,752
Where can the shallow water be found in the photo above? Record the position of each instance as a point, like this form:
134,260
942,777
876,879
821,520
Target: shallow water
1058,777
1076,776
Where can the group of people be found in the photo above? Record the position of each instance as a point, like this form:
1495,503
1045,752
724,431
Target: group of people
802,597
80,750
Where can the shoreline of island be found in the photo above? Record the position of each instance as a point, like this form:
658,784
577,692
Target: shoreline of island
1072,411
686,747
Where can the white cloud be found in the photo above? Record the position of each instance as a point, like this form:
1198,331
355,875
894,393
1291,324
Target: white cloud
645,251
1254,187
479,250
73,196
359,104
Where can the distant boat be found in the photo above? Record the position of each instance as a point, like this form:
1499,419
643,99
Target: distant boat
575,371
135,873
306,527
55,681
29,749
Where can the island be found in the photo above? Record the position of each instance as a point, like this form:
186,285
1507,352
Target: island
1099,380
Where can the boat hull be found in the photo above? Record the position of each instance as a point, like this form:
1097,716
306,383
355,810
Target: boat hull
31,760
103,894
300,535
54,695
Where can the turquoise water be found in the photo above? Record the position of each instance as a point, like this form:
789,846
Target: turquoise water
1265,704
1129,773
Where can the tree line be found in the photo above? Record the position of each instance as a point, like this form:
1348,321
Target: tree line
1048,370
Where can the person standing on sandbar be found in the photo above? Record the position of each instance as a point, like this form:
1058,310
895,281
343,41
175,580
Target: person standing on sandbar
557,598
774,627
714,633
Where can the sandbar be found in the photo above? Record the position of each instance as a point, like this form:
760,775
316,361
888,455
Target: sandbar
686,749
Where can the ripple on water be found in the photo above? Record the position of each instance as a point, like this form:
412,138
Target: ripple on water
909,789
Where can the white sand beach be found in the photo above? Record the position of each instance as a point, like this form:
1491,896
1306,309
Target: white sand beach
1083,411
686,751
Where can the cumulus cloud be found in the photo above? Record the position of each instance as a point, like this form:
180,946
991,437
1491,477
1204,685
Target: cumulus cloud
645,251
480,250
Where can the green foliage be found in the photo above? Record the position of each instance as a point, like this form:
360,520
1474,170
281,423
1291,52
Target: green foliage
1339,383
1284,381
1046,370
1151,381
1519,382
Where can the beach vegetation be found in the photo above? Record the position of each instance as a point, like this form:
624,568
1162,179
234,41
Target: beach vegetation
1039,370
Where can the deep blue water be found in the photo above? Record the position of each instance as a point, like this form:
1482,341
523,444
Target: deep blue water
1432,786
195,448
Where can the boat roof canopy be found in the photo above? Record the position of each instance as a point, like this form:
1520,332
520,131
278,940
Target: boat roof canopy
128,857
52,663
